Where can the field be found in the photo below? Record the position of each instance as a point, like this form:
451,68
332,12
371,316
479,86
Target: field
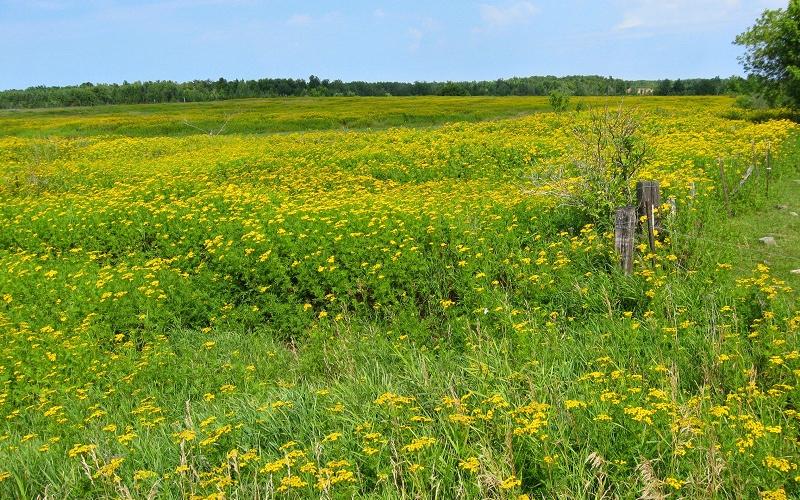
391,298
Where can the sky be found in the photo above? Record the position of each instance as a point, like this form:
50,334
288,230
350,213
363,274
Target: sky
62,42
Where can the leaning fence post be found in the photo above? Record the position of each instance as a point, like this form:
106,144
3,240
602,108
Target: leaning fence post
624,236
648,197
746,176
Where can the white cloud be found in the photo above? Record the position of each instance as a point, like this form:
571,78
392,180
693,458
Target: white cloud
379,13
424,30
500,16
683,14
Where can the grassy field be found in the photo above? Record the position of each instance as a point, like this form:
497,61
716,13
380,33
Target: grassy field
390,312
257,116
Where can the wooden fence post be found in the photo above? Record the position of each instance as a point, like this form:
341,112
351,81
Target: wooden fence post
625,236
746,176
648,198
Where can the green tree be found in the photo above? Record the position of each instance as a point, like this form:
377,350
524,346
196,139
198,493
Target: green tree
772,53
453,88
559,101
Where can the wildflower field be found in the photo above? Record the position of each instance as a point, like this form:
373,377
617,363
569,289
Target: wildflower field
301,306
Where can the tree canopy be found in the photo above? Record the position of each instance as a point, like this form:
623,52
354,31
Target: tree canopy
772,54
91,94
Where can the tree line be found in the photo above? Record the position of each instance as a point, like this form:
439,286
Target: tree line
91,94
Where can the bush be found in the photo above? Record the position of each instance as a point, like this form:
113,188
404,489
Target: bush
751,102
611,152
559,101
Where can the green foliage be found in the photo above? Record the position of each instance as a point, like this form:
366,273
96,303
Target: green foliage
88,94
220,315
259,116
559,101
773,53
454,89
611,152
751,102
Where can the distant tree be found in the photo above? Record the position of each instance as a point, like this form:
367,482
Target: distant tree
502,87
772,53
88,94
706,86
664,87
453,88
735,85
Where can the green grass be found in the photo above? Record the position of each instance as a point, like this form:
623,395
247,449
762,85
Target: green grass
774,219
186,315
261,116
258,116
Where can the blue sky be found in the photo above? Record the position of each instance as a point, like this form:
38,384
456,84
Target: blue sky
57,42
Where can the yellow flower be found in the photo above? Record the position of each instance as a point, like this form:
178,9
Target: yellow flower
127,437
143,475
674,483
291,482
471,464
80,449
779,494
185,435
109,469
779,464
392,399
214,436
571,404
419,444
510,482
334,436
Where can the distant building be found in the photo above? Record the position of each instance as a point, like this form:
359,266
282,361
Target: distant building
639,91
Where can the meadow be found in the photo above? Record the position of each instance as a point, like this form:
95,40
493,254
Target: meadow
390,298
